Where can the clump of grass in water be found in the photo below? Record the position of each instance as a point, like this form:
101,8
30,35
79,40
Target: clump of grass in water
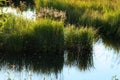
12,34
110,31
79,41
23,38
75,37
20,35
103,15
48,35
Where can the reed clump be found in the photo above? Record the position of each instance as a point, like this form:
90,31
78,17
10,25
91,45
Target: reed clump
19,35
12,34
79,43
48,36
79,38
102,15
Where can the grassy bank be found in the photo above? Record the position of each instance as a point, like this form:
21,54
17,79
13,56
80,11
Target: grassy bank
103,15
81,11
20,37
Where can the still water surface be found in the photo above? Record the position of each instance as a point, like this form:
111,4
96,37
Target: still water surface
106,65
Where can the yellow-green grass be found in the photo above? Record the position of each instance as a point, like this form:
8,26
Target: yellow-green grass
77,10
79,43
103,15
48,35
99,14
76,38
44,35
19,35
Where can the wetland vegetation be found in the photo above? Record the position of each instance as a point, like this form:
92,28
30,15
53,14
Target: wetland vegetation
59,26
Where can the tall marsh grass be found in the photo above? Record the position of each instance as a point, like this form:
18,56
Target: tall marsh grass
103,15
19,35
79,43
75,10
79,38
12,33
48,35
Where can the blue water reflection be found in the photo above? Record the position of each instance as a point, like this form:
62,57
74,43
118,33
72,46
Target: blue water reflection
106,65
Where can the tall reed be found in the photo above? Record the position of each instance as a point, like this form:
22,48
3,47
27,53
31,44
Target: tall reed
79,43
102,15
12,34
76,38
48,36
19,35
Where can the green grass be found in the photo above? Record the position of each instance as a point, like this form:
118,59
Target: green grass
79,43
12,33
102,15
19,34
20,37
77,11
48,35
79,37
44,35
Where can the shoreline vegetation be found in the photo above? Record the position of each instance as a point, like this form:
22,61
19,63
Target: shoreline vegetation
18,33
102,15
61,25
22,39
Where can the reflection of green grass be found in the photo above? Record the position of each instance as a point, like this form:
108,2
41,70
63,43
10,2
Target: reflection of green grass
79,41
42,63
20,37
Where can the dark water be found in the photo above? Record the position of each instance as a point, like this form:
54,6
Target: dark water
16,3
55,67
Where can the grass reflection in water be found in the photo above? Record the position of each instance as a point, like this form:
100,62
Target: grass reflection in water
44,63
